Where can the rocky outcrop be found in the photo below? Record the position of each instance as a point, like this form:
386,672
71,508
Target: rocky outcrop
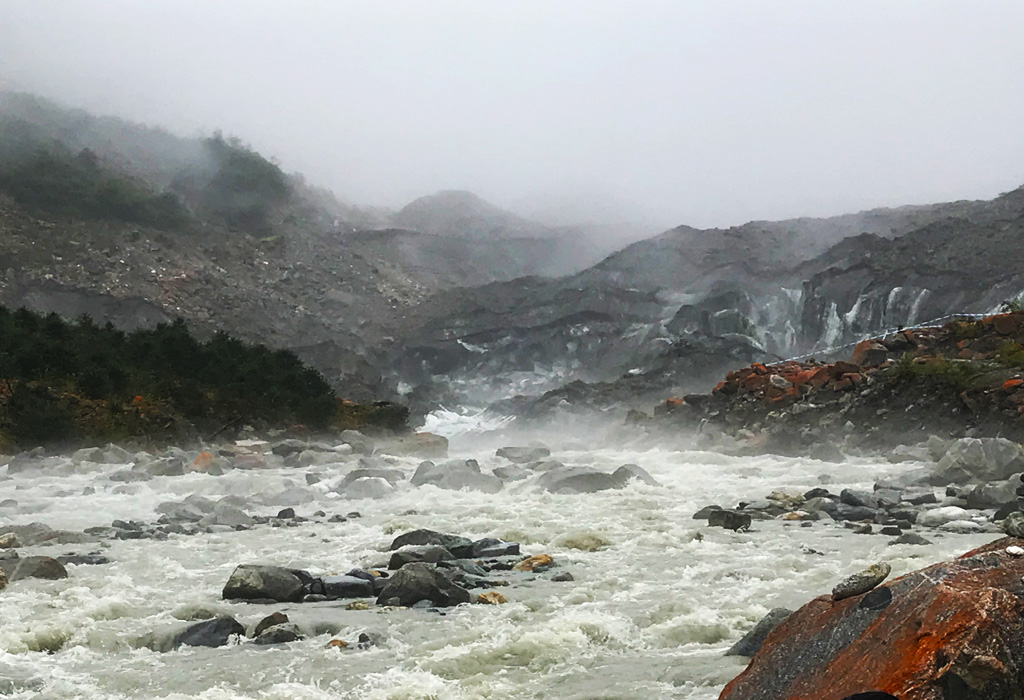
959,379
952,630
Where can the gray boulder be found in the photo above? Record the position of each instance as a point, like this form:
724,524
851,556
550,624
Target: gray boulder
633,471
32,567
228,515
39,533
459,546
347,587
277,618
360,443
279,634
729,519
209,633
421,581
392,476
861,582
490,547
1013,525
456,475
752,640
852,497
993,494
522,455
258,582
431,553
980,459
372,487
511,472
578,480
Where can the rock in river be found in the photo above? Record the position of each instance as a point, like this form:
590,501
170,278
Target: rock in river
457,545
210,633
256,582
952,630
32,567
420,581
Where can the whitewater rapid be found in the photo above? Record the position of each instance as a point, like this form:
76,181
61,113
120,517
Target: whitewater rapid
657,596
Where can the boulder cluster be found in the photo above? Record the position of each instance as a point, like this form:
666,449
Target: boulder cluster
426,569
966,486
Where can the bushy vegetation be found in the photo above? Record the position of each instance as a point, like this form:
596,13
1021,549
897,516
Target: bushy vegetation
1011,354
50,177
244,186
80,381
954,375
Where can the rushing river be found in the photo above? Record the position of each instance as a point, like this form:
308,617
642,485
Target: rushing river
657,597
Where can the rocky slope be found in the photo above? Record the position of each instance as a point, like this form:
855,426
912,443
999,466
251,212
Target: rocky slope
960,379
662,310
249,249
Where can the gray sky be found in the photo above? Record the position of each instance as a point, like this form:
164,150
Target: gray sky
707,113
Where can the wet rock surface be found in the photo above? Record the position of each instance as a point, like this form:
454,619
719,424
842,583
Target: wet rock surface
953,629
752,640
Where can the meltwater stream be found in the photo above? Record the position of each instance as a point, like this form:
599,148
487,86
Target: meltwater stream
651,610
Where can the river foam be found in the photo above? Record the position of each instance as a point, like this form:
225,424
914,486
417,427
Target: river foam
657,596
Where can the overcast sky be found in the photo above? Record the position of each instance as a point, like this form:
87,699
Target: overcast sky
707,113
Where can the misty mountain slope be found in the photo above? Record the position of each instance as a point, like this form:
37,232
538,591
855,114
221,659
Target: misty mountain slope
135,225
439,262
678,309
950,266
521,247
460,213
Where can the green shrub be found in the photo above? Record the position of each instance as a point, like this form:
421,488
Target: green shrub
49,177
244,186
1011,354
955,375
62,380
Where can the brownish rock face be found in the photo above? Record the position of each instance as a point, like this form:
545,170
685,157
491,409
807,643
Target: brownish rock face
952,631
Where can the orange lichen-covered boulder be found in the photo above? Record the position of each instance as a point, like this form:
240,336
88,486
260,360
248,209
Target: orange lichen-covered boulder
952,630
1005,324
869,353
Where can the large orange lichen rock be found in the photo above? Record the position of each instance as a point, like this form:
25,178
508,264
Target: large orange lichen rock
952,630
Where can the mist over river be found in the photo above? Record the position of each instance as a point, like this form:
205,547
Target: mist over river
657,597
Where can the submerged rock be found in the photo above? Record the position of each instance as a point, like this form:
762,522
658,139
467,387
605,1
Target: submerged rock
347,587
210,633
523,455
277,618
257,582
430,553
422,445
421,581
279,634
456,475
952,630
33,567
459,546
729,519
